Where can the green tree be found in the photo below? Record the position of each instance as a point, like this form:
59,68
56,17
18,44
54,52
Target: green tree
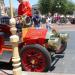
59,6
53,6
70,7
44,6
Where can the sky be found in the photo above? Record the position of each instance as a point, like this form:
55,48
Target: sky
15,2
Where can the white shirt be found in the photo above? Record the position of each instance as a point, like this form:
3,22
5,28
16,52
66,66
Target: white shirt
49,20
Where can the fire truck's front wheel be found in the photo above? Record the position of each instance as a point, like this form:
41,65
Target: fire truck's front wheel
35,58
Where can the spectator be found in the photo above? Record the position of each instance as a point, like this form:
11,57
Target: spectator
43,21
48,25
24,8
48,21
25,12
36,20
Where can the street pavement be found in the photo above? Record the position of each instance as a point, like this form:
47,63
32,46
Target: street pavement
64,27
8,72
64,65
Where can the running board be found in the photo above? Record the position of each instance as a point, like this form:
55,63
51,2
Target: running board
6,56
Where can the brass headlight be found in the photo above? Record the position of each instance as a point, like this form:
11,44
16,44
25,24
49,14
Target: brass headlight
64,36
54,42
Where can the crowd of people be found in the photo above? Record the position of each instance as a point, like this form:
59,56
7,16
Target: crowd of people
38,20
41,20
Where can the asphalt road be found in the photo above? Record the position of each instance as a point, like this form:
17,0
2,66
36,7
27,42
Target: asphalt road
64,63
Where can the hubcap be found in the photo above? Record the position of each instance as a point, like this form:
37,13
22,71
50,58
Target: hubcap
33,60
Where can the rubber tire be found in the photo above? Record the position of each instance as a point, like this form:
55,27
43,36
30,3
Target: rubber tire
43,50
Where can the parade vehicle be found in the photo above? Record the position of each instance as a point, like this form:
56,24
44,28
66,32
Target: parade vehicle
36,46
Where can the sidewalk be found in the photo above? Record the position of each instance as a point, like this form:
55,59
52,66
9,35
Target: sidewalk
8,72
64,27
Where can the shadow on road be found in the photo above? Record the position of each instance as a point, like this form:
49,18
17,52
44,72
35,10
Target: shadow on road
55,59
7,66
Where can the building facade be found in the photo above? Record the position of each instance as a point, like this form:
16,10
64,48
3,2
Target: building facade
2,8
34,8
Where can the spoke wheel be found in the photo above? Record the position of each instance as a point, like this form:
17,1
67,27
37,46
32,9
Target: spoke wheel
35,59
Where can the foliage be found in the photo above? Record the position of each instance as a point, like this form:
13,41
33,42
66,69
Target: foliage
70,7
53,6
59,6
44,6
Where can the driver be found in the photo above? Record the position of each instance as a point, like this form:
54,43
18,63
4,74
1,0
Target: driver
24,8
